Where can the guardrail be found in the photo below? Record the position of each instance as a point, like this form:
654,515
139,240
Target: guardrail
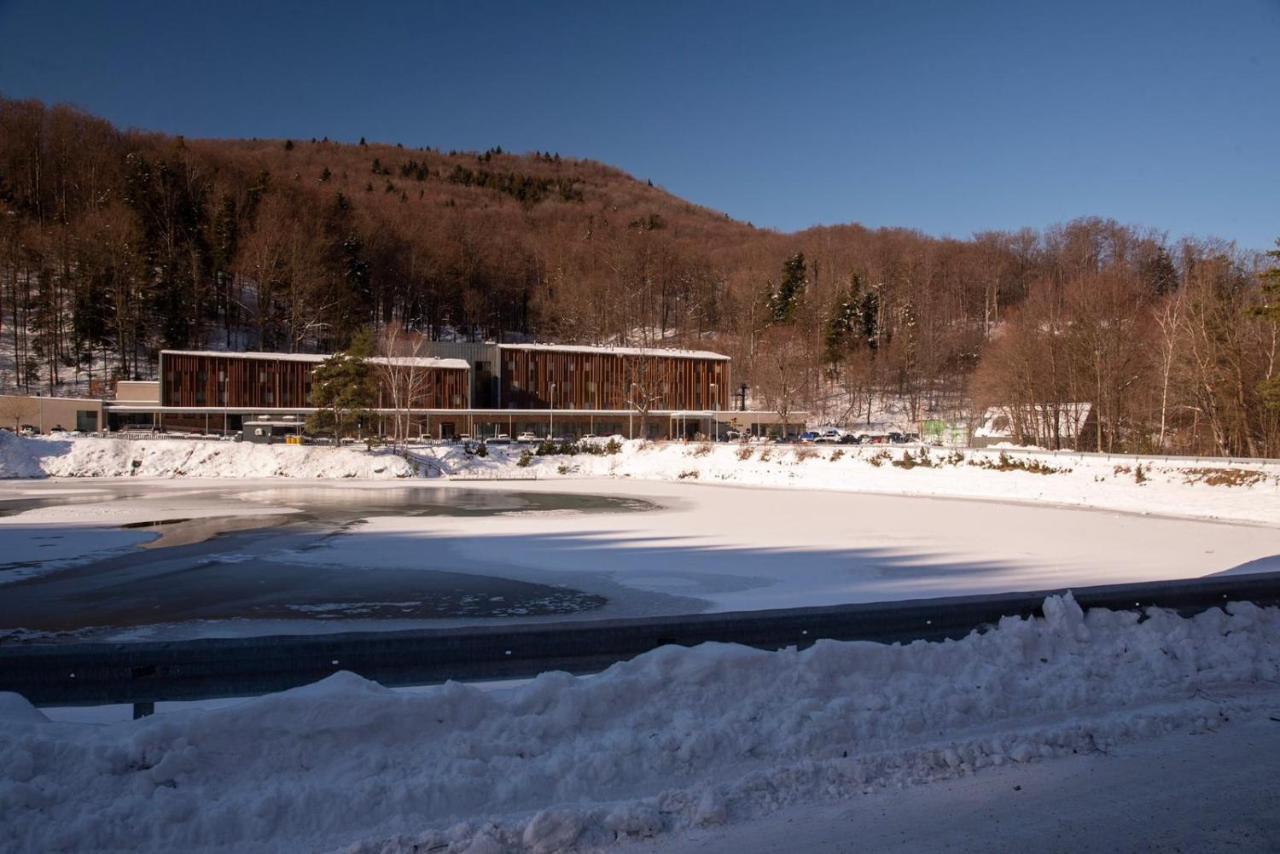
143,673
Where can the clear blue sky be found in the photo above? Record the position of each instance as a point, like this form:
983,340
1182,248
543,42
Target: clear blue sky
950,117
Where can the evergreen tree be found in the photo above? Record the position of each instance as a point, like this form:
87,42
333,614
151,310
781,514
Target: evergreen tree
785,299
1159,273
869,312
344,389
844,323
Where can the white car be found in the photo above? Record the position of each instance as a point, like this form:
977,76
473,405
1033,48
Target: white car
526,437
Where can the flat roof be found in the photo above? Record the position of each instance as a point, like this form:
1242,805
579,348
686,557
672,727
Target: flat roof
316,358
619,351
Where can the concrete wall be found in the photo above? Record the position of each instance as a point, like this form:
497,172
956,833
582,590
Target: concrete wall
44,414
136,391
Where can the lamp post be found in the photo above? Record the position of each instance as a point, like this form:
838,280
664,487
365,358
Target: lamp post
631,402
714,403
551,426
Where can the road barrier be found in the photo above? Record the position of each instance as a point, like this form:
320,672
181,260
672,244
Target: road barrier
147,672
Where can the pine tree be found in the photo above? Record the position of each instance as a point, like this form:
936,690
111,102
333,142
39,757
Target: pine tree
869,311
785,299
1159,273
344,389
845,322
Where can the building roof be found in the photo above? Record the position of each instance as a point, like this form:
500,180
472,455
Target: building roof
619,351
316,358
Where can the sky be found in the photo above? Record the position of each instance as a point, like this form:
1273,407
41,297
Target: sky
947,117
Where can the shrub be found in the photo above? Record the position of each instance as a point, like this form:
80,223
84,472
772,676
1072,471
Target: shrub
545,448
877,459
482,450
1139,476
691,474
805,454
745,452
526,457
612,447
564,468
765,454
1224,477
702,450
837,454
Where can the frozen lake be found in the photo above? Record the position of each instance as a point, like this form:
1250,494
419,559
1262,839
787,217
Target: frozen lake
177,559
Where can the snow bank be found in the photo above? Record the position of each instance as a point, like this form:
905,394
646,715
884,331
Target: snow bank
675,739
95,457
1165,486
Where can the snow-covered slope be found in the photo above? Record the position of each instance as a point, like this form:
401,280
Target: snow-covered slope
94,457
675,739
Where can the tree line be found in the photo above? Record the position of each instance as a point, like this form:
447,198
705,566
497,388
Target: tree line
114,245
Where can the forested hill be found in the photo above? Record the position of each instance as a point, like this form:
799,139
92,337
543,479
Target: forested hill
114,244
180,242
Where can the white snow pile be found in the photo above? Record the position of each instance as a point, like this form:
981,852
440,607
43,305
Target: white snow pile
1160,485
675,739
100,457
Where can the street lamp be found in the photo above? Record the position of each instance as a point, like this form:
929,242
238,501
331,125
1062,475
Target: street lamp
631,402
715,402
551,426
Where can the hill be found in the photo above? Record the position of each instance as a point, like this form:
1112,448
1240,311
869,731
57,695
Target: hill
116,243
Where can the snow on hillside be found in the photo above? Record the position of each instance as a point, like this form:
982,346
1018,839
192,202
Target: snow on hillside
95,457
674,740
1168,486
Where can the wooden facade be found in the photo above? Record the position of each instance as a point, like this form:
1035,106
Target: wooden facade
605,379
264,381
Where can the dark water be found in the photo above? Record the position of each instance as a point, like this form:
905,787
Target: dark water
239,567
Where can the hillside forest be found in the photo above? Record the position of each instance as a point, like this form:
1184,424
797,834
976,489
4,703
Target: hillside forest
115,244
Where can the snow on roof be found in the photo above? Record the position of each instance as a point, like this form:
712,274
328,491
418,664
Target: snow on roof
316,358
619,351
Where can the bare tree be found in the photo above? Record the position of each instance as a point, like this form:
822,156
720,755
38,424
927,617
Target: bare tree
405,379
781,376
645,385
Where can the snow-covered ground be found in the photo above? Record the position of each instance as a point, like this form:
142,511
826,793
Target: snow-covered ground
84,456
675,742
1157,485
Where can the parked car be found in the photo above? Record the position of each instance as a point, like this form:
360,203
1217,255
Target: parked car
501,439
830,435
810,436
849,439
527,437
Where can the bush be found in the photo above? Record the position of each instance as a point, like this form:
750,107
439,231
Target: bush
691,474
612,447
702,450
482,450
838,454
526,457
745,452
805,454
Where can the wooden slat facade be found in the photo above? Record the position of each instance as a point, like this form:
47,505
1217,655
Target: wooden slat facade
603,380
194,379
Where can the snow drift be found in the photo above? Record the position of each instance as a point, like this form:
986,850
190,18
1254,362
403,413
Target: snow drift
93,457
1201,488
674,739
